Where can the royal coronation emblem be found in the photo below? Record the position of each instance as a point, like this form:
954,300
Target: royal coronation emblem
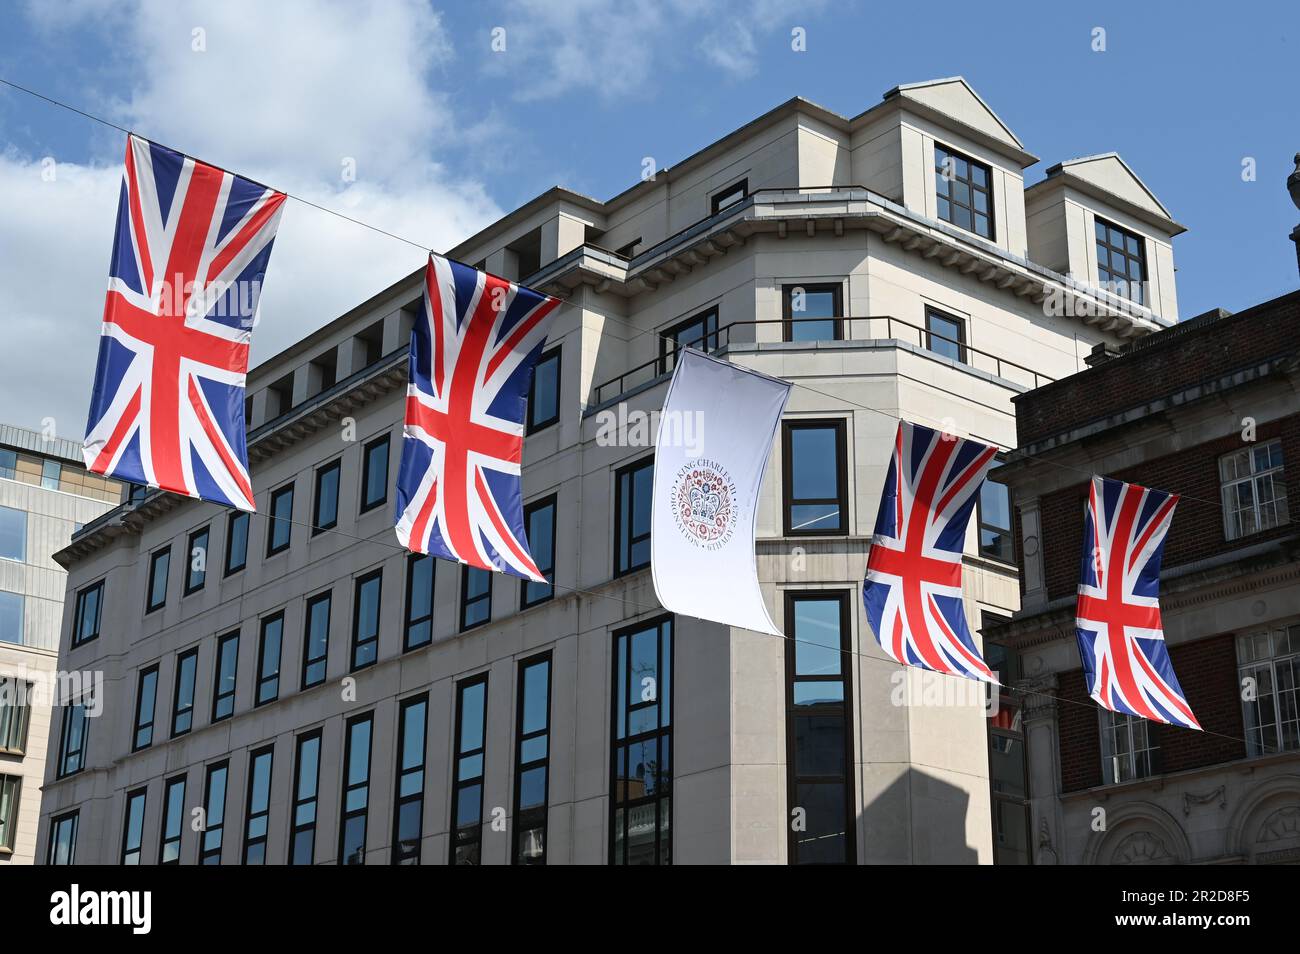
704,503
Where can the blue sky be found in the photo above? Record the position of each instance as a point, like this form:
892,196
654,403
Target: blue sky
446,133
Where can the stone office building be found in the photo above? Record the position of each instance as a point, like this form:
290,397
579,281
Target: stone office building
45,495
1208,410
324,696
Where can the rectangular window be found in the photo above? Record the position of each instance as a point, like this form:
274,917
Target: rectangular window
475,597
11,618
731,195
1253,486
539,525
356,790
532,760
316,640
268,660
85,617
8,464
1128,750
963,190
419,601
819,738
945,335
699,332
279,531
10,790
641,778
815,461
196,571
306,778
227,668
632,491
214,814
995,521
159,564
408,813
145,701
236,542
258,808
374,474
1121,261
63,839
365,620
187,664
169,849
1269,665
13,534
325,506
813,312
51,472
1007,780
133,827
72,742
544,392
467,779
15,714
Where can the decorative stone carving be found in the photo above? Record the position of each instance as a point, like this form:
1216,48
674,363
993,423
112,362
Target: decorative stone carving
1220,795
1278,838
1142,848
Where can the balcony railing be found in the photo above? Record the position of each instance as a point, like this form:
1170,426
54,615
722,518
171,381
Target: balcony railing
862,329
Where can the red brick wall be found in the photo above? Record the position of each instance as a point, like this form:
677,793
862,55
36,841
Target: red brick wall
1080,733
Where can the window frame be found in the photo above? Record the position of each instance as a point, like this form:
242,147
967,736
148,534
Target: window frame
263,814
138,725
1287,653
326,597
272,521
552,501
1108,723
296,827
9,821
1098,243
1007,533
22,554
217,694
725,198
457,783
142,794
960,342
972,188
366,507
399,855
707,342
1281,502
628,470
465,625
79,612
349,787
533,425
788,500
189,588
408,623
788,321
72,818
164,839
181,658
207,852
235,516
538,815
157,556
334,467
262,678
65,754
356,643
18,723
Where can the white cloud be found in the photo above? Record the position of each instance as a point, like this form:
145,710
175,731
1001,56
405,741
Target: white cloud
286,103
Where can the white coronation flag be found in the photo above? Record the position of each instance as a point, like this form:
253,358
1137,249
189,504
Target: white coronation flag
715,433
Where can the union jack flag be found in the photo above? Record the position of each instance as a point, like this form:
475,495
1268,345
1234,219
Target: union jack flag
473,348
912,591
1121,637
191,249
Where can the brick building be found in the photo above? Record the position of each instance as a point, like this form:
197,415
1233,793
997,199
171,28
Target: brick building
1208,409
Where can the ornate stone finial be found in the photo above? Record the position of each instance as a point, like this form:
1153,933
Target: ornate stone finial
1293,182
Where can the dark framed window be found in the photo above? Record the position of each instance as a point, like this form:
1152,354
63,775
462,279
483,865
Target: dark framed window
236,542
257,808
532,760
544,392
72,741
408,810
306,783
365,619
641,778
964,191
419,601
279,529
146,698
945,335
268,659
133,826
475,597
994,513
815,470
15,714
159,565
539,525
374,474
85,617
11,789
1121,261
187,664
731,195
819,734
633,486
63,839
196,570
699,332
173,821
356,790
224,676
467,779
214,813
813,312
325,504
316,640
1007,779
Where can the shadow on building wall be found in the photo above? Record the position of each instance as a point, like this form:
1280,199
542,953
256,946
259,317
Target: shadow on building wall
917,818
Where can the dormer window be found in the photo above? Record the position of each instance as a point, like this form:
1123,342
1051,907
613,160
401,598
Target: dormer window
963,189
1121,261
